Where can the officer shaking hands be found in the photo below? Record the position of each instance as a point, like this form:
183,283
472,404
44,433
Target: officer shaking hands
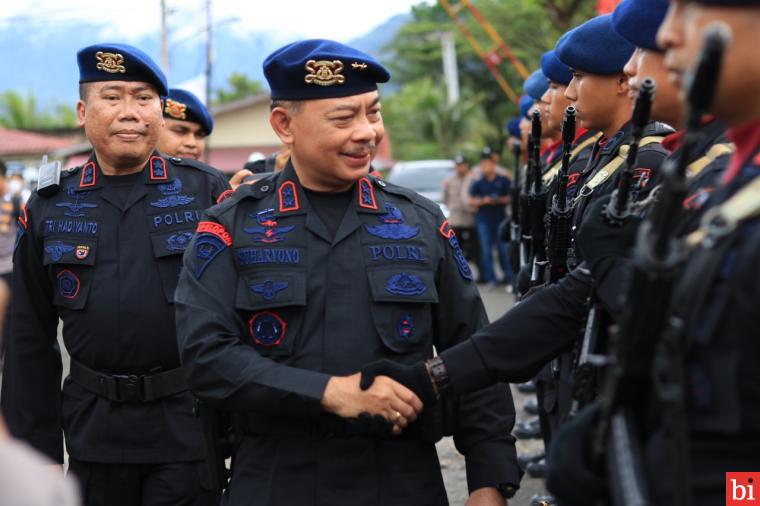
298,281
102,251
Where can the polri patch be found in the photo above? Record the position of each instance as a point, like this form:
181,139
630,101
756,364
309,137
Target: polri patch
398,253
407,285
267,231
172,196
267,328
68,284
392,225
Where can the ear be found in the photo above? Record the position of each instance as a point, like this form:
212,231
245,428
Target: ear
80,112
282,123
622,85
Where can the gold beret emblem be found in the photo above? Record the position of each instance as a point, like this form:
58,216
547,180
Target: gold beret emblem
359,66
110,62
324,73
174,109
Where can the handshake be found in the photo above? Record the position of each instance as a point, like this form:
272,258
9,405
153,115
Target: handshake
385,396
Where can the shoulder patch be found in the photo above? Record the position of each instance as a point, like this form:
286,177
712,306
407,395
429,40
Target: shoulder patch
212,239
215,229
462,266
224,196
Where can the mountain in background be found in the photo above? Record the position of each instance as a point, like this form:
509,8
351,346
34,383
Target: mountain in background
43,62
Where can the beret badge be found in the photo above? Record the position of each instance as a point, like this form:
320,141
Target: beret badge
324,73
176,110
110,62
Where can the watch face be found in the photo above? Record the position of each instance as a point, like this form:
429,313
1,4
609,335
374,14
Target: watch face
507,491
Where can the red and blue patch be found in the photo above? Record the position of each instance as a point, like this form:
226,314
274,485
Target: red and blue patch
267,231
267,328
288,197
392,225
212,239
407,285
68,284
158,170
448,233
89,175
366,194
406,327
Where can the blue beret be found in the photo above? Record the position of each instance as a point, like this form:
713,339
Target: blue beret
637,21
594,47
555,70
525,104
317,68
119,62
513,127
536,85
185,106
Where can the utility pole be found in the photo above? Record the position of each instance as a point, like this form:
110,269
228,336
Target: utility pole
209,64
164,40
450,70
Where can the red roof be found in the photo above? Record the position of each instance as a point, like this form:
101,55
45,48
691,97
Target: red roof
20,142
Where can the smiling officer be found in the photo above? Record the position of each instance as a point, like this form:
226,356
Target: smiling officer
102,252
296,282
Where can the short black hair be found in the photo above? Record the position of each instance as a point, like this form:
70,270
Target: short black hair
293,106
84,88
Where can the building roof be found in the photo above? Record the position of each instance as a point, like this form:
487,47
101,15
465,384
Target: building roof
21,142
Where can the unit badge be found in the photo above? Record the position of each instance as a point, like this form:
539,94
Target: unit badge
324,73
110,62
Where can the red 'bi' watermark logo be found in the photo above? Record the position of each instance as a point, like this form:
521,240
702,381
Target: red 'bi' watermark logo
742,489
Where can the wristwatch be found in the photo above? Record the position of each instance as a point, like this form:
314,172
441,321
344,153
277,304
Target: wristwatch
439,375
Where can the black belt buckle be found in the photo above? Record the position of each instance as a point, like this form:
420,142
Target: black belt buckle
129,388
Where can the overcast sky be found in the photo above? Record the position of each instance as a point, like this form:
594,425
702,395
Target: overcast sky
126,19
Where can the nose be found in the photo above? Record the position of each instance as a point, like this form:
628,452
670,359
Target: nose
570,91
365,130
128,111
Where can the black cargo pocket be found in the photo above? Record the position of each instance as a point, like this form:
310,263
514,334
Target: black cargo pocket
401,308
273,303
168,248
69,262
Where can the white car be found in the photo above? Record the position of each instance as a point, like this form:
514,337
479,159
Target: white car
425,177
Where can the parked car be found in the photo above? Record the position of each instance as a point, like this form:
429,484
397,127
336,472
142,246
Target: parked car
425,177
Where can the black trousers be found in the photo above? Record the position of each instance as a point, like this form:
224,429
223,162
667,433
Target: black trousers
173,484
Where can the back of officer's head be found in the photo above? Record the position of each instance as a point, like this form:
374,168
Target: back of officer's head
326,109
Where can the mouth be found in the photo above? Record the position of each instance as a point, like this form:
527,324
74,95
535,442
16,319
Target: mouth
189,154
128,135
357,158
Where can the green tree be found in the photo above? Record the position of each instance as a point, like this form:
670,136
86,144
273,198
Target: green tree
22,112
239,86
528,27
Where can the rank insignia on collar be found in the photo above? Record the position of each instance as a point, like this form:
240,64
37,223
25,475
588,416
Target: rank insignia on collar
158,169
269,289
324,73
392,225
267,328
176,110
57,249
366,195
88,176
77,204
405,284
82,252
288,197
172,198
68,284
267,232
110,62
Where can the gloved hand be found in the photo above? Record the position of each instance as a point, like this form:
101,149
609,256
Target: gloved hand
414,377
571,475
598,239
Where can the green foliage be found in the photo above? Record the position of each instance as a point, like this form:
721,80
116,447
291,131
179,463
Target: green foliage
528,27
21,112
239,86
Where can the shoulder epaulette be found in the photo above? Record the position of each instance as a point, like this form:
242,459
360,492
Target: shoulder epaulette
195,164
411,195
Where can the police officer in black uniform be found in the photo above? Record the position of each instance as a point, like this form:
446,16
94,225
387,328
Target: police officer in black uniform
296,282
102,252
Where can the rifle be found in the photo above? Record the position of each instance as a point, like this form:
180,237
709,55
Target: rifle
561,214
537,200
635,341
619,207
219,440
514,225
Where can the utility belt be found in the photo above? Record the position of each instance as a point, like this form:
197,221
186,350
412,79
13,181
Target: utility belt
429,427
132,388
